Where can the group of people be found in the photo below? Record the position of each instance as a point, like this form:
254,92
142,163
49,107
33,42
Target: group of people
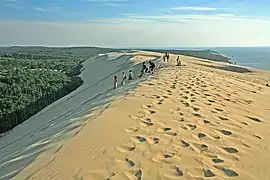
146,68
166,57
124,78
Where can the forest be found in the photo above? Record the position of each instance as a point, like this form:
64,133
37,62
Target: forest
31,78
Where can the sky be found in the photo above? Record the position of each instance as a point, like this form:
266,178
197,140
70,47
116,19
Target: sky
135,23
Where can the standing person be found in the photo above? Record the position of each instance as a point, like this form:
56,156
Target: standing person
124,78
130,75
178,61
168,57
143,69
147,67
115,82
152,66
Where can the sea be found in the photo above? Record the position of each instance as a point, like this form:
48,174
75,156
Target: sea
255,57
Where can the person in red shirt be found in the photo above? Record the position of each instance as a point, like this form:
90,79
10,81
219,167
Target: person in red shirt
115,82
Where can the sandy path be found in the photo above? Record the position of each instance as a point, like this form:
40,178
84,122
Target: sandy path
191,122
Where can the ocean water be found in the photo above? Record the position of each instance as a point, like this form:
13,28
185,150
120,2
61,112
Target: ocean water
256,57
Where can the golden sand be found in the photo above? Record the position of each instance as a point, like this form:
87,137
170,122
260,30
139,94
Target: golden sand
190,122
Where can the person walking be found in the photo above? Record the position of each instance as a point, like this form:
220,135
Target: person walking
152,66
143,69
130,75
124,78
115,82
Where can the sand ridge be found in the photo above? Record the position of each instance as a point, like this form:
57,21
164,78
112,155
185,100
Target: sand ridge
190,122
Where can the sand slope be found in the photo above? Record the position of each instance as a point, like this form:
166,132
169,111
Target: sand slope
190,122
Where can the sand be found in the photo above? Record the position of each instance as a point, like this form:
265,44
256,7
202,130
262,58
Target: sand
190,122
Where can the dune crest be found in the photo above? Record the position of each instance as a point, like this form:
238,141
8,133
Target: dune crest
190,122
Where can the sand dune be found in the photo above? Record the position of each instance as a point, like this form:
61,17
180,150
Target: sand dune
189,122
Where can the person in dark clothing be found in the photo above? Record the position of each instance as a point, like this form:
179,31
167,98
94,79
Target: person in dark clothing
130,75
152,66
143,69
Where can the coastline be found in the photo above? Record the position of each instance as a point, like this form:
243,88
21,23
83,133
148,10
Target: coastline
194,121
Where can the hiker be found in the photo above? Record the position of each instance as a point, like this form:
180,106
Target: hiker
124,78
143,69
147,68
152,66
130,75
178,61
115,82
168,57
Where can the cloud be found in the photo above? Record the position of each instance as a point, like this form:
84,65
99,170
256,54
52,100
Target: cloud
136,32
50,8
114,3
182,17
194,8
13,4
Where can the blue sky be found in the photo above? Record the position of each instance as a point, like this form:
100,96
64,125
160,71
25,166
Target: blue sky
134,16
81,10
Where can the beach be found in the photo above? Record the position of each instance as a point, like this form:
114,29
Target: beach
202,120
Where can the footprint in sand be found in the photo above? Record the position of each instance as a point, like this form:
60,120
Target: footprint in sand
126,148
185,97
139,174
254,119
167,155
245,123
132,130
208,173
227,171
192,126
192,100
259,137
185,144
156,140
211,101
185,104
225,132
230,150
223,118
179,171
152,111
201,135
196,109
166,97
199,147
130,162
206,122
196,115
218,160
147,122
161,101
169,132
217,109
141,139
